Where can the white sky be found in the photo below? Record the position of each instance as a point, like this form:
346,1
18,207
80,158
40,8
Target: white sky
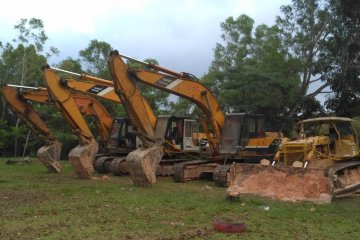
179,34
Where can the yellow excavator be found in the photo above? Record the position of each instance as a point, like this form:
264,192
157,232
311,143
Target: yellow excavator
116,134
81,157
232,137
187,141
49,154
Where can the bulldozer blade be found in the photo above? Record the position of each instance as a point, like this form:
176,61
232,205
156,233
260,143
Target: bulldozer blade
49,155
81,158
345,179
142,164
279,182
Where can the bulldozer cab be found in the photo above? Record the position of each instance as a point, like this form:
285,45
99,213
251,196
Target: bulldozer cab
238,129
338,137
122,136
180,133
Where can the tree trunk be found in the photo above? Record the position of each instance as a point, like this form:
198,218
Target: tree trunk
26,142
3,108
16,139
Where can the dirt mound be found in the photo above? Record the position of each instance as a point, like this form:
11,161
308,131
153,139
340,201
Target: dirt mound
282,183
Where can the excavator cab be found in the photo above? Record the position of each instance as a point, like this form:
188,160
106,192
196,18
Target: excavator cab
178,133
244,136
122,140
122,137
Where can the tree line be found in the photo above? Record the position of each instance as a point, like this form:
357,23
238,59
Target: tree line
279,70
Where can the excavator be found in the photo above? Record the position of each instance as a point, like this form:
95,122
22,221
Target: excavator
186,143
49,154
240,139
82,156
232,137
18,102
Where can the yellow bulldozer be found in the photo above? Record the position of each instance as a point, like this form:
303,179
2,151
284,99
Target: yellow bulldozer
322,164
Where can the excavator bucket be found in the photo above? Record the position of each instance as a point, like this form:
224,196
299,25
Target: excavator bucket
81,158
49,155
142,164
294,183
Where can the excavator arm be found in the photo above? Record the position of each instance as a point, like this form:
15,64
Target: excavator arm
142,162
82,156
49,154
132,100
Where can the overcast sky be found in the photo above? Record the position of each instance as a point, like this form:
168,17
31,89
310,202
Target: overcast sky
179,34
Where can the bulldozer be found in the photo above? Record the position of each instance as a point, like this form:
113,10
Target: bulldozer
321,165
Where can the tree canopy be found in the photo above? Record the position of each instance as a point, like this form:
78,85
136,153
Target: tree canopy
251,71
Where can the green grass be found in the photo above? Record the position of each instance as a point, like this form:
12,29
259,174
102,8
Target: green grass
35,204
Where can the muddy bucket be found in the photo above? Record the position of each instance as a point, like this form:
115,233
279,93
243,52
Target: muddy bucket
49,155
81,158
142,164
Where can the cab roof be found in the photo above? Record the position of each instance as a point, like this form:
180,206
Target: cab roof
321,120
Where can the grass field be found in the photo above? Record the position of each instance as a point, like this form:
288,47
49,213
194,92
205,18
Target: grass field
35,204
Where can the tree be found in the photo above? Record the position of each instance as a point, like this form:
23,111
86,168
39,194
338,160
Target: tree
251,71
183,107
95,56
341,54
70,64
305,31
21,63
